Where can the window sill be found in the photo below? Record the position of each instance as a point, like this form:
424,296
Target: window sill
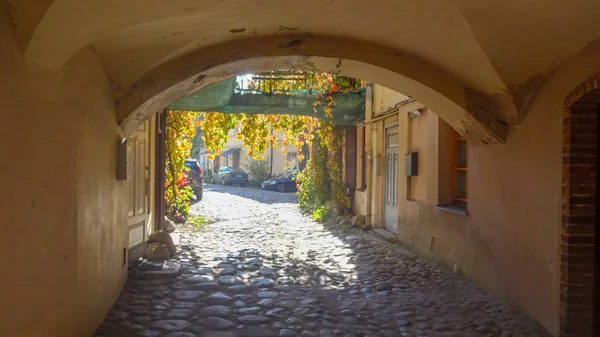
453,209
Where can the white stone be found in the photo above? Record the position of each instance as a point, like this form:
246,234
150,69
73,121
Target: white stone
163,237
170,225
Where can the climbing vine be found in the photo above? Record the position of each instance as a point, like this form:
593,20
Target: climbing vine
181,128
320,183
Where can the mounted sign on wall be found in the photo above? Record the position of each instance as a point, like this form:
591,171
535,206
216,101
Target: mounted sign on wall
412,164
122,167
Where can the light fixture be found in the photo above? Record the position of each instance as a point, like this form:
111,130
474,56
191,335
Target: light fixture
414,114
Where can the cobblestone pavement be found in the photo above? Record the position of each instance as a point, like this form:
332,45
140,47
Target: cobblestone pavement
263,269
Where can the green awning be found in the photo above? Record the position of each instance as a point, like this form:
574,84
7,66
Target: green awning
349,108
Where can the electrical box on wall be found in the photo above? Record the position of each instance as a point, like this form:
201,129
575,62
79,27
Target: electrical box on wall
412,164
122,167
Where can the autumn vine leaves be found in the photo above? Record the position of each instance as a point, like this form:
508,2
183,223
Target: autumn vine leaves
181,128
321,182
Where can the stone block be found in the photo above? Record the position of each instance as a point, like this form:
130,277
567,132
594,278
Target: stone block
157,251
169,225
359,220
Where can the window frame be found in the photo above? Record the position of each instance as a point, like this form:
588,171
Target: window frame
455,138
289,155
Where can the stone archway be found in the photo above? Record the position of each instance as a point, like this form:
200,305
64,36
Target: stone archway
472,113
579,298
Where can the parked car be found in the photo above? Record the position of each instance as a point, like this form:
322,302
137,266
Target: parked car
228,176
284,183
195,177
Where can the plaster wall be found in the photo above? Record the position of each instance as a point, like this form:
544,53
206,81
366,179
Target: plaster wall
508,243
64,226
279,159
360,202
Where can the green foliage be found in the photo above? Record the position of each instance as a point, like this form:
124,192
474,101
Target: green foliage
307,200
330,137
258,169
321,181
215,127
198,221
323,213
197,142
179,204
181,128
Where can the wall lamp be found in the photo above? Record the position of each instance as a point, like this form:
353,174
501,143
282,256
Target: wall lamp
414,114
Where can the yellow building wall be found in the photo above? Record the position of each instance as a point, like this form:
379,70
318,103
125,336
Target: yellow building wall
508,243
63,211
279,159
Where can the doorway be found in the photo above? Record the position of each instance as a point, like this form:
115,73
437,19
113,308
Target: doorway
138,159
390,180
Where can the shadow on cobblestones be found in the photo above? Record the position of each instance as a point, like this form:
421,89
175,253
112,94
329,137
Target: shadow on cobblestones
265,270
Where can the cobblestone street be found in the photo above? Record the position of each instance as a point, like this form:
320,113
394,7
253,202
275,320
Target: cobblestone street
263,269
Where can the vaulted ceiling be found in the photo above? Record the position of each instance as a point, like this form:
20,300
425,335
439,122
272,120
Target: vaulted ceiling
484,57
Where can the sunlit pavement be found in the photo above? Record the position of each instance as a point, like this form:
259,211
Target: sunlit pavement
263,269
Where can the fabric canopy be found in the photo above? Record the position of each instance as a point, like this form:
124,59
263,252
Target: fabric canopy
349,108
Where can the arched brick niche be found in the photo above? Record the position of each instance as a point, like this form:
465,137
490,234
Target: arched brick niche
579,281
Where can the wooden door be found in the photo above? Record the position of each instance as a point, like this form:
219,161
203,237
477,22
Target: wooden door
138,159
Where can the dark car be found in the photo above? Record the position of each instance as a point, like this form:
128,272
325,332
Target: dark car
227,176
195,177
284,183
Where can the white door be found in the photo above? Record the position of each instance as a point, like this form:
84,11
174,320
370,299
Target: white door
390,180
138,155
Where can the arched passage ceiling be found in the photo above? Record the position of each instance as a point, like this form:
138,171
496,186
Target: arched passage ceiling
482,61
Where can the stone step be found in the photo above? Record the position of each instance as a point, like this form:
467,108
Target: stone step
386,235
145,269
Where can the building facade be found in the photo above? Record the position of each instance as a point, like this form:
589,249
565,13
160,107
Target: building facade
235,155
463,205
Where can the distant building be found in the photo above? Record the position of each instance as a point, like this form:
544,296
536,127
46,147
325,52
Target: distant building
235,155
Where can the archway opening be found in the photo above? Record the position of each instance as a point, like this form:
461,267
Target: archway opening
474,114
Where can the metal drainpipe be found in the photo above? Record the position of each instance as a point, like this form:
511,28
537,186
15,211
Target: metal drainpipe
369,149
271,158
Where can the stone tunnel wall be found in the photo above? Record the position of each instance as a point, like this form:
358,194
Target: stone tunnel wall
62,214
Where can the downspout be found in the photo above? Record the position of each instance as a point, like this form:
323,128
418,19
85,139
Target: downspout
369,150
271,157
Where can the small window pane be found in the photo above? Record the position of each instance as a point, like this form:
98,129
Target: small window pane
460,185
461,154
393,139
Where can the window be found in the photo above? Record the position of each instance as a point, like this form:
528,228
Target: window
459,170
292,160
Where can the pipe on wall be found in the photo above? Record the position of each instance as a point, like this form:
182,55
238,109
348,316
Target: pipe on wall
369,150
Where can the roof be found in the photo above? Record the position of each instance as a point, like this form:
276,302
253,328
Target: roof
230,151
